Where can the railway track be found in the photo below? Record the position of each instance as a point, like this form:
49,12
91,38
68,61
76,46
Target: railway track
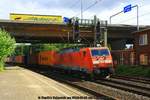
141,88
134,79
106,89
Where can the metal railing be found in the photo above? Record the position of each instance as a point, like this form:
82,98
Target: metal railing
89,22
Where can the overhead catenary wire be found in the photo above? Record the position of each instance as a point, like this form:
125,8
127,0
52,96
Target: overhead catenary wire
89,7
74,4
92,5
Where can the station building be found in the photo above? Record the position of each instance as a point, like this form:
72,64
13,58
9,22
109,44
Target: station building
123,57
142,47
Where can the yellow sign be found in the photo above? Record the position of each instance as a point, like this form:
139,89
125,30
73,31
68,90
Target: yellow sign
42,18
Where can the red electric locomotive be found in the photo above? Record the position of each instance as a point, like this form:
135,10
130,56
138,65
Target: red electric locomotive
88,61
94,60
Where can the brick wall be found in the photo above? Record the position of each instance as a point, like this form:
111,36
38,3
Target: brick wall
123,57
142,51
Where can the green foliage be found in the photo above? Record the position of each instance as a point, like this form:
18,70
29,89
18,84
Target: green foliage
7,46
133,71
44,47
1,66
21,49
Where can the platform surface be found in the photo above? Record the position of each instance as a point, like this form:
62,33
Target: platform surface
17,83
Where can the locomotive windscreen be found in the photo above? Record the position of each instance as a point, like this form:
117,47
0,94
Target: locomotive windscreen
102,52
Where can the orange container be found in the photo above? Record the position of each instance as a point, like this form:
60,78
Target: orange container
19,59
47,57
33,59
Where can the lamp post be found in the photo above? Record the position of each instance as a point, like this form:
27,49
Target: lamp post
114,16
137,13
127,9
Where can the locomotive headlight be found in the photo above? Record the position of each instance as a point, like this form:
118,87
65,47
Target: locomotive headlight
96,62
108,61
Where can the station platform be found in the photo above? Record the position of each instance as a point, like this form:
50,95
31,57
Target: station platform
17,83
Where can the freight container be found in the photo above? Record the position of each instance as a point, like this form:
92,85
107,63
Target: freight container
47,58
32,59
19,59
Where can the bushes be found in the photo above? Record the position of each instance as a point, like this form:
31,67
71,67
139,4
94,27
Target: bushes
1,68
133,71
7,46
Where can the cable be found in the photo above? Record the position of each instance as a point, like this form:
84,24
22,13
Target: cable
92,5
73,5
88,7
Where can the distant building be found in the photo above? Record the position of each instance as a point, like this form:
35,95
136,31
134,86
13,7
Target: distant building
123,57
142,46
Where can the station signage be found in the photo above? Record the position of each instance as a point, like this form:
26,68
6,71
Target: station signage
127,8
32,17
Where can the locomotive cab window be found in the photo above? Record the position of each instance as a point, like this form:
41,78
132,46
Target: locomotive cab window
102,52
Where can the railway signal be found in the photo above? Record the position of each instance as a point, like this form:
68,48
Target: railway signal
98,34
76,31
76,26
100,28
70,22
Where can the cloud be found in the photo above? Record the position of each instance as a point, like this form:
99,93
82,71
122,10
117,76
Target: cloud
69,8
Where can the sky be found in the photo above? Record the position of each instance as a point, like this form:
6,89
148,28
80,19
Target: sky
103,9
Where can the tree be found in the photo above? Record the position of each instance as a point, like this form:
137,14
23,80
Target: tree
7,46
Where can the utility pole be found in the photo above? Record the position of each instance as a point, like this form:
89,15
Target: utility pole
95,20
105,34
68,37
81,10
105,37
137,17
137,13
